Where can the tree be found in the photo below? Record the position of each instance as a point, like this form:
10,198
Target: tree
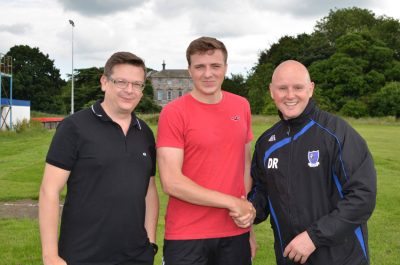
352,44
258,85
236,85
353,73
386,101
339,22
88,91
338,79
304,48
393,72
373,82
35,78
146,104
87,87
388,30
351,55
288,47
354,108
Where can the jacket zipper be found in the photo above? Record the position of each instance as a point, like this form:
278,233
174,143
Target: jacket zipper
290,177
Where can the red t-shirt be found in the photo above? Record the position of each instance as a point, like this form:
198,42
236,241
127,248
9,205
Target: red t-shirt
213,137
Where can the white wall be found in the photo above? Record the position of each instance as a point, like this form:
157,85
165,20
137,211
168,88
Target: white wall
18,114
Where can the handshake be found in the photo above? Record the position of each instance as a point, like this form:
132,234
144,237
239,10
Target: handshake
242,212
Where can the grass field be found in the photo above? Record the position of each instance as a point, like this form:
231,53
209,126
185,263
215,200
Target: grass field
21,167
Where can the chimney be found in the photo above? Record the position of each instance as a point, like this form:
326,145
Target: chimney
163,65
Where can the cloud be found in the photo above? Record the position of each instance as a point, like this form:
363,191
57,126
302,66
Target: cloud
100,7
223,18
306,8
172,8
160,30
18,28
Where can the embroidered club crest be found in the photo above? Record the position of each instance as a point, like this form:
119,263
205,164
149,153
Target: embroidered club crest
313,157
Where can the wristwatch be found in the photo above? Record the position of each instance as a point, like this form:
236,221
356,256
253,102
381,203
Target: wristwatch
155,247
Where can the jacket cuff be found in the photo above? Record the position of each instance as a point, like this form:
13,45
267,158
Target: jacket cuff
313,236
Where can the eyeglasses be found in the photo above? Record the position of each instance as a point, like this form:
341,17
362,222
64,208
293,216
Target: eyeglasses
122,84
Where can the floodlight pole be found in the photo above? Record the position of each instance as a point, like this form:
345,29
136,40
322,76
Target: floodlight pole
11,102
72,70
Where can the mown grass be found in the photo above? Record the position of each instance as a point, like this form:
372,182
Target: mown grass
21,162
20,243
21,167
44,114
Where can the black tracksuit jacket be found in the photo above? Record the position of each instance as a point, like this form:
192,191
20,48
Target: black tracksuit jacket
315,173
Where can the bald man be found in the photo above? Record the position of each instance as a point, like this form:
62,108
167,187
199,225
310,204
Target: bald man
314,175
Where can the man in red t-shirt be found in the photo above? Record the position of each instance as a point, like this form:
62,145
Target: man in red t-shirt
203,153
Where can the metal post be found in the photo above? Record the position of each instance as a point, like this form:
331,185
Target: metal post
1,76
72,70
1,109
11,104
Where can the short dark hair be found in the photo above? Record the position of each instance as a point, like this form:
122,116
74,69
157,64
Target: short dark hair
204,44
123,58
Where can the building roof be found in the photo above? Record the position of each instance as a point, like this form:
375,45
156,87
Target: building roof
171,73
15,102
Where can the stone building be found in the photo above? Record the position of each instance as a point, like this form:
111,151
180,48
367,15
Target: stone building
169,84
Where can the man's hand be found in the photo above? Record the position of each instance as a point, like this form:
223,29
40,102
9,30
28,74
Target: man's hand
300,248
243,213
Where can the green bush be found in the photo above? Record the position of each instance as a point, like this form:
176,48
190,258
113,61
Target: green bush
354,108
149,118
28,126
386,101
270,109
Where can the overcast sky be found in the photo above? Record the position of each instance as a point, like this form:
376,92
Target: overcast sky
158,30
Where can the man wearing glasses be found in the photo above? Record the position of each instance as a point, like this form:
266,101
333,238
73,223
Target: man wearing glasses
106,155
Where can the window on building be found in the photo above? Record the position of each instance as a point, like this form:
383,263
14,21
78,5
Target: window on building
159,94
169,95
180,93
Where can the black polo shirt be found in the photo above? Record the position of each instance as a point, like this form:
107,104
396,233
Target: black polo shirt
104,210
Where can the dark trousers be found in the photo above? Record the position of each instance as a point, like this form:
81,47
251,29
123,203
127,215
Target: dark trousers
234,250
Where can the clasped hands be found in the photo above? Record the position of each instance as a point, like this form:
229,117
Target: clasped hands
243,213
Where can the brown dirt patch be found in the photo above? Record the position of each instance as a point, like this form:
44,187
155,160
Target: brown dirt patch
19,209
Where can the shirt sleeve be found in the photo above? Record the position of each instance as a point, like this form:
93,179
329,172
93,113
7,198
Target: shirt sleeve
63,148
170,128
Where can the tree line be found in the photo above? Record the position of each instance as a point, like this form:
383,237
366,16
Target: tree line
353,57
35,78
